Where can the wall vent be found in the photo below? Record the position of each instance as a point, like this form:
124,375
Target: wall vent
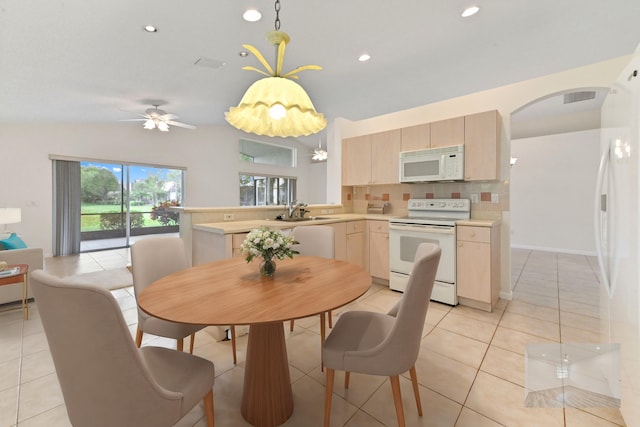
210,63
579,96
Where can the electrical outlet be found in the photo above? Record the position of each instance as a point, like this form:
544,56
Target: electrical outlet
495,198
228,217
474,198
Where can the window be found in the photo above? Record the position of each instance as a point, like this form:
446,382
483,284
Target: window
266,190
267,154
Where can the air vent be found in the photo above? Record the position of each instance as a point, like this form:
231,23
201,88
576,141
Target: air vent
210,63
579,96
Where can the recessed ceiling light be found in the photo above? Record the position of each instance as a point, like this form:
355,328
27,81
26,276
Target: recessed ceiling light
150,29
472,10
364,57
252,15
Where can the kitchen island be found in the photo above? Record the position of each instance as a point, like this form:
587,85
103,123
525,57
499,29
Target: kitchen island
219,240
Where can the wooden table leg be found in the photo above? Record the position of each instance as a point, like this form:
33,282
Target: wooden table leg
267,399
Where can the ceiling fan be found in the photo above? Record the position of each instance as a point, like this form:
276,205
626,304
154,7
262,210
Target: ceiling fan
319,154
154,118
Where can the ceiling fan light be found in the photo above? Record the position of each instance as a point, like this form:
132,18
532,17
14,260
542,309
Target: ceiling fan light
149,124
162,126
253,112
320,155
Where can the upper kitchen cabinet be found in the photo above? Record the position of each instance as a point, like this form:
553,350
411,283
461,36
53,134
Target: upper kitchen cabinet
371,159
448,132
385,155
356,160
482,146
416,137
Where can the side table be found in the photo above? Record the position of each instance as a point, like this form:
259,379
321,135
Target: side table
20,276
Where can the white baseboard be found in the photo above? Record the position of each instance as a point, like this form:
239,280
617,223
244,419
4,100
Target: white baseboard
558,250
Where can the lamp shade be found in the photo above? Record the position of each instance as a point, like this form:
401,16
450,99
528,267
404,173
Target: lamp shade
10,215
253,113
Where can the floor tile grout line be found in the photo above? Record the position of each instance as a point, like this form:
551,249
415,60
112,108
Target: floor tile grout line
464,404
21,355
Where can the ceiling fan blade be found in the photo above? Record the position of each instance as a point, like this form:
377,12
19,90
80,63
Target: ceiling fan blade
132,120
181,125
131,113
168,116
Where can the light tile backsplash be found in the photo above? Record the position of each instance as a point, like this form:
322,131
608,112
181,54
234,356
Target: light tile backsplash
357,198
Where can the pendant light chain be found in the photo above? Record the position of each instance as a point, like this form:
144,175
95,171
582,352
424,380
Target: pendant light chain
277,6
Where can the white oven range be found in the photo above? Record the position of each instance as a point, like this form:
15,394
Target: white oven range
433,221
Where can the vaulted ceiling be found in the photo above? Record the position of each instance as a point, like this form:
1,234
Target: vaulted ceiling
79,61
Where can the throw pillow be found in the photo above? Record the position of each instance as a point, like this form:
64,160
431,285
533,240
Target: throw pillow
13,242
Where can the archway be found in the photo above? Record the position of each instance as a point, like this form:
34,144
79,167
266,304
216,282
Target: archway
554,147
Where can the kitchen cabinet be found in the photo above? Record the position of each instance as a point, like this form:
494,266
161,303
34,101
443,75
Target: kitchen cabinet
415,137
448,132
379,249
356,160
236,241
385,155
478,272
355,232
482,146
367,159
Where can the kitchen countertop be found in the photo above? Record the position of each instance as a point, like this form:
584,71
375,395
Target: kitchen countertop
232,227
479,222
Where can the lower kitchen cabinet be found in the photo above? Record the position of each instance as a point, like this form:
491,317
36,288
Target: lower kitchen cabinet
379,249
237,240
355,242
478,272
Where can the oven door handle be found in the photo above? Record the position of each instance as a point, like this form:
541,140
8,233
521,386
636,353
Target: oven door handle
423,229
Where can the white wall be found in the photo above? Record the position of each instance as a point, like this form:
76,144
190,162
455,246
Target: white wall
210,155
552,192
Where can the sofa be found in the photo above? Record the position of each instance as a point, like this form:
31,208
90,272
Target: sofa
32,256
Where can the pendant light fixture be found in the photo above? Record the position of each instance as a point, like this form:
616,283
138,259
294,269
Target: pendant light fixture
276,105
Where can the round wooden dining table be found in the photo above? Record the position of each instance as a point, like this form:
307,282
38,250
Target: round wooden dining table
232,292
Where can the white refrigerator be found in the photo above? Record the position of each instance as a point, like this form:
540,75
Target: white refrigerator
617,231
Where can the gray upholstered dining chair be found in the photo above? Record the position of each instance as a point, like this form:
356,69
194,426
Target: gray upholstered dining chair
151,259
315,240
384,344
105,380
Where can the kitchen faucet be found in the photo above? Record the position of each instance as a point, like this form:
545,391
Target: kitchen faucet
291,208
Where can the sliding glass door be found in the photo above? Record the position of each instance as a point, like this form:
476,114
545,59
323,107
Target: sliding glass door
122,201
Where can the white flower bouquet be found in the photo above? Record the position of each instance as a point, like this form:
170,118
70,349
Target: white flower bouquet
268,244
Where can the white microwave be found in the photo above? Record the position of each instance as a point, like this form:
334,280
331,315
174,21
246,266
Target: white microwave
434,164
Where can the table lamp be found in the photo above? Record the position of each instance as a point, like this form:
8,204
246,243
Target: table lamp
9,216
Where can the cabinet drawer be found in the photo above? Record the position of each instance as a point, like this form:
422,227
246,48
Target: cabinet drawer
355,227
379,226
474,234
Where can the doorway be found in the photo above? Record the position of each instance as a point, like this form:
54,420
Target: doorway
121,201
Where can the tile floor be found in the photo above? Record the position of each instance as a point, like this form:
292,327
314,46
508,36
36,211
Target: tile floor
470,367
